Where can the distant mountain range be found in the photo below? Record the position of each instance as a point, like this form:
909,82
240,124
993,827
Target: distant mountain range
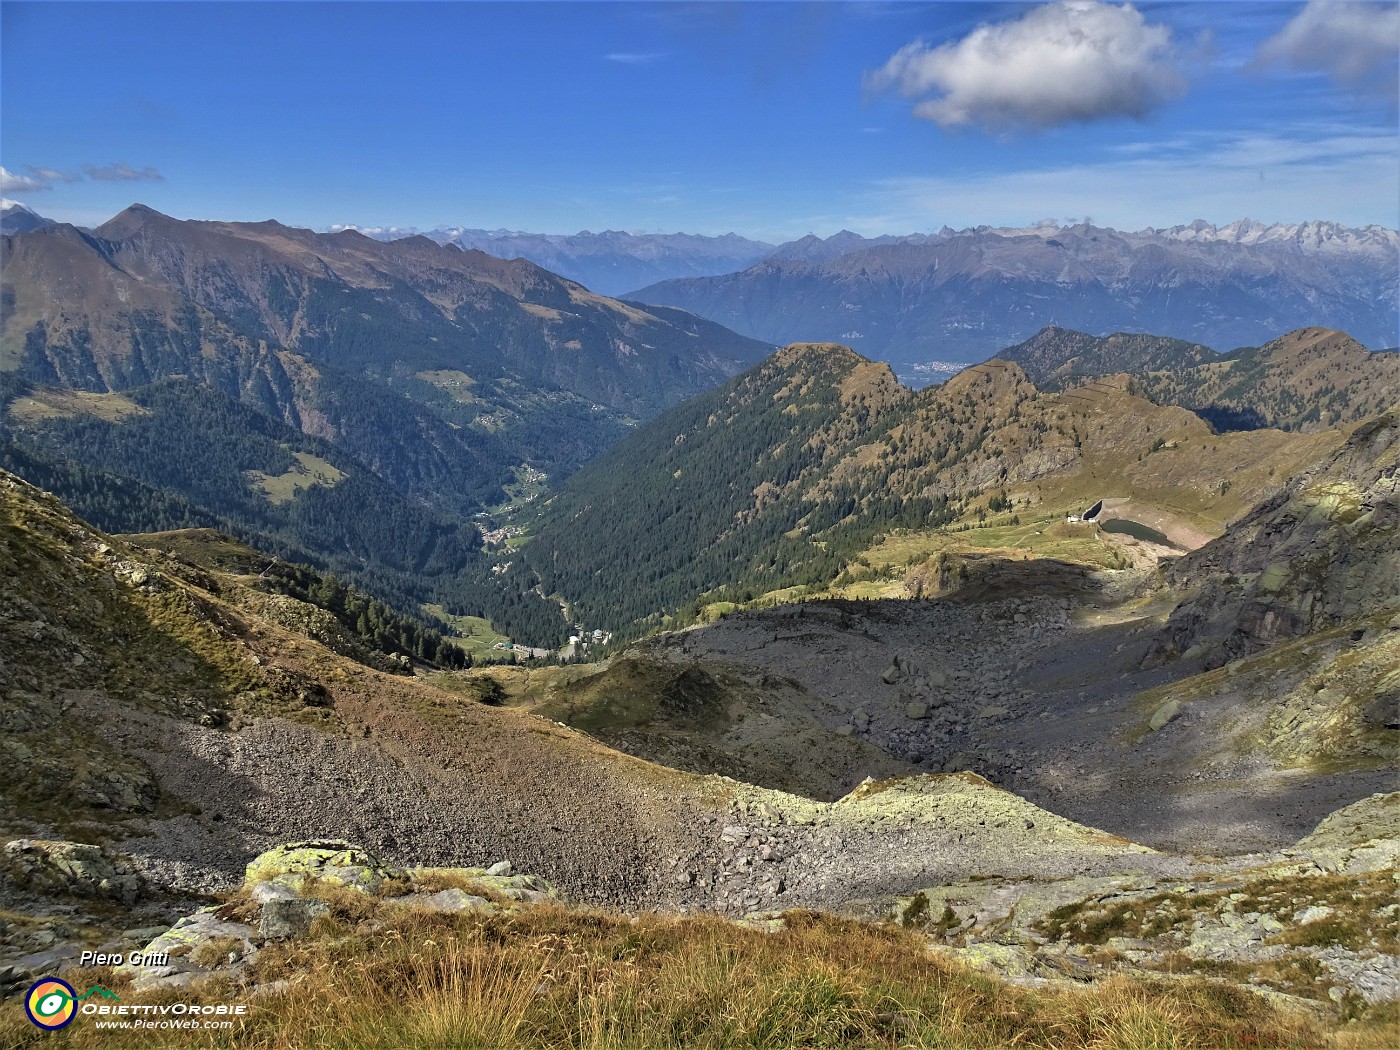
963,295
610,262
354,402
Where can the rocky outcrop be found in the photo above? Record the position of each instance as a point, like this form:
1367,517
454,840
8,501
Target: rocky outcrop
69,868
288,888
1323,552
1313,924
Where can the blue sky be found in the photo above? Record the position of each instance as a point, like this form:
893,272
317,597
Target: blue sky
771,120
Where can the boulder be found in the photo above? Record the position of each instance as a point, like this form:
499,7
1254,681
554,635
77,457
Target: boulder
528,889
1164,714
916,710
281,920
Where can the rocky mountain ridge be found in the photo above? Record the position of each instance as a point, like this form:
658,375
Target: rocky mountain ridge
294,289
1305,380
1321,552
611,262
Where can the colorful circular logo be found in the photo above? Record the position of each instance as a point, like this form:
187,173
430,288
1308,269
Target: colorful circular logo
51,1003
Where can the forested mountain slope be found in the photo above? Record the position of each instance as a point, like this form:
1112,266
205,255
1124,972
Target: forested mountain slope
348,402
786,475
706,494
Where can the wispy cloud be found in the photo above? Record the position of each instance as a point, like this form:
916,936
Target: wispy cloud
1357,44
10,182
1349,173
636,58
53,175
122,173
1071,62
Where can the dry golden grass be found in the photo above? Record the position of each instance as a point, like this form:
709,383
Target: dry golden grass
550,977
43,405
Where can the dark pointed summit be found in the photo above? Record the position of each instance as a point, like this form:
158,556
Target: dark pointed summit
130,221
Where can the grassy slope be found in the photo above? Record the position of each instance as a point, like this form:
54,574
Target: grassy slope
549,977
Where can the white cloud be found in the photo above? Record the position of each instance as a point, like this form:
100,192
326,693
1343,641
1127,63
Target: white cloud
12,183
1340,174
1069,62
122,173
387,232
1354,43
636,58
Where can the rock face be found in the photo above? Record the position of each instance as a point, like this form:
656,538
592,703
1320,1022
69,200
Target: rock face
69,868
1323,552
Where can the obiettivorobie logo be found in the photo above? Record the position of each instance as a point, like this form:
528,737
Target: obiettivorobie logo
52,1004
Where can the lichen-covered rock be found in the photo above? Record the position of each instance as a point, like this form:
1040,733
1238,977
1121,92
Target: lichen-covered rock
334,861
1364,836
198,946
70,867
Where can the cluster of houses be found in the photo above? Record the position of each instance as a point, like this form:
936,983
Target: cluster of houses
529,652
580,641
498,536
